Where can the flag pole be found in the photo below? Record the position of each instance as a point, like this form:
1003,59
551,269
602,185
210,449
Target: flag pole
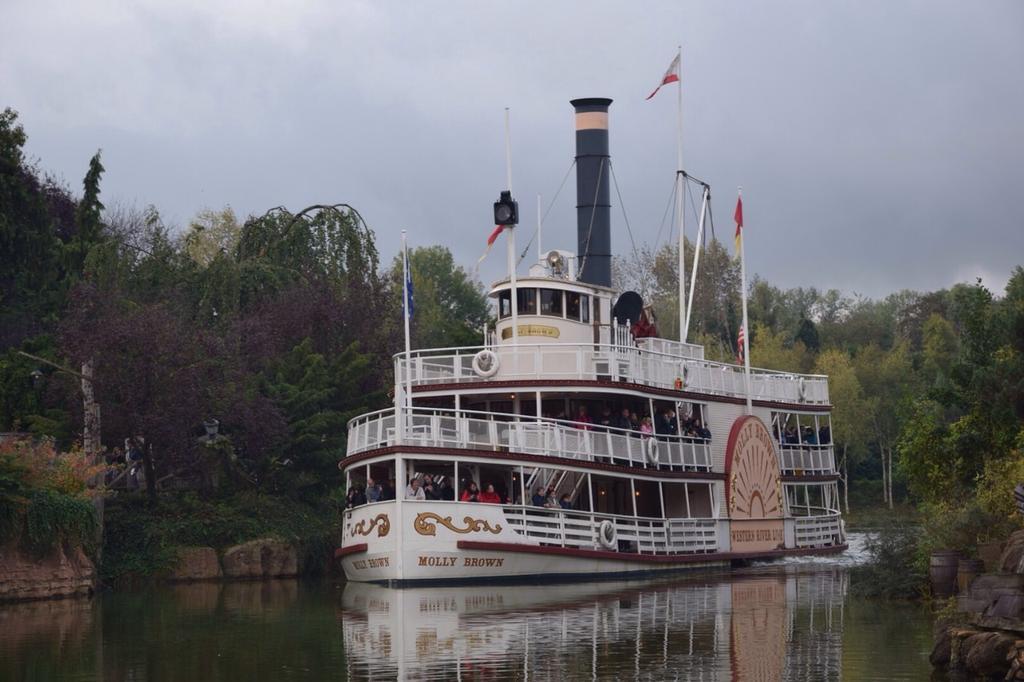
680,198
511,240
746,328
406,278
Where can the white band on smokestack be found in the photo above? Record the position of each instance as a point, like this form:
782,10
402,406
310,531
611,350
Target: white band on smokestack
592,120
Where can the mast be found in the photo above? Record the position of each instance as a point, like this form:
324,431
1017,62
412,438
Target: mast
680,201
511,241
743,289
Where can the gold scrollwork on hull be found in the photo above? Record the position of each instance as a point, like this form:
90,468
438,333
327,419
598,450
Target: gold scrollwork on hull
366,526
426,524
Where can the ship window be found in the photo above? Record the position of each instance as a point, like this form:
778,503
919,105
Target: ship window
527,301
584,308
572,305
504,304
551,302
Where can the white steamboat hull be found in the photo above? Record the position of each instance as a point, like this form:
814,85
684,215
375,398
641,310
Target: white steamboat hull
408,541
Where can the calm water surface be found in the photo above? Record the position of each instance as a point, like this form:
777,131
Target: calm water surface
785,621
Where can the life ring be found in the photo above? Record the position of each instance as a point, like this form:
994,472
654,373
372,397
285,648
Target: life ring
485,363
801,388
606,535
651,450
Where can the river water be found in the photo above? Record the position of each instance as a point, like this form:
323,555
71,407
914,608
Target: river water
792,620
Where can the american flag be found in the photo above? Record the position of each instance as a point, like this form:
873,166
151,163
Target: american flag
740,344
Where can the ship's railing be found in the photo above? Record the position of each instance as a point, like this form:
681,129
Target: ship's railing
691,351
553,437
819,527
639,535
614,362
807,459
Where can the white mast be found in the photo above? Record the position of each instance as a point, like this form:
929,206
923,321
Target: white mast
540,220
680,219
511,241
743,289
696,257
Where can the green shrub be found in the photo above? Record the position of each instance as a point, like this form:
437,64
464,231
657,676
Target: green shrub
895,569
52,518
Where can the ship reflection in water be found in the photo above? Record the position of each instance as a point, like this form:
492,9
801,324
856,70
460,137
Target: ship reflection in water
782,625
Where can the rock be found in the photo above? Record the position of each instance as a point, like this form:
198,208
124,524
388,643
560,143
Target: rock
1013,553
243,561
62,573
941,651
196,563
986,653
263,558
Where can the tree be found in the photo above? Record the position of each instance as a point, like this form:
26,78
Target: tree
850,411
888,379
450,306
211,234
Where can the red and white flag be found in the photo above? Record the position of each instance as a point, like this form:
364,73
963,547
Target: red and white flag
671,76
740,345
490,242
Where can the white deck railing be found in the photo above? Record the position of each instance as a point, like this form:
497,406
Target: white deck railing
566,528
823,529
807,459
551,437
554,361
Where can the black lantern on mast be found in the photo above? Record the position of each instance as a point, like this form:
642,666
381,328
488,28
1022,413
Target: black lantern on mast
506,210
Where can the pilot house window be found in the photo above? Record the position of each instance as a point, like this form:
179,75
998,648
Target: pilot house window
504,304
551,302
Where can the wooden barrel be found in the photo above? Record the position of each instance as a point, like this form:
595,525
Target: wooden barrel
968,570
942,571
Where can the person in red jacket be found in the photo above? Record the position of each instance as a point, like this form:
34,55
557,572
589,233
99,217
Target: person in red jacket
490,495
471,493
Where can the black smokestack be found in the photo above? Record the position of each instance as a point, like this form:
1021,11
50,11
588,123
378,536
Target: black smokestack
593,201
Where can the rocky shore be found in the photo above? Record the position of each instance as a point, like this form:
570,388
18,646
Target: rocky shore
68,572
986,638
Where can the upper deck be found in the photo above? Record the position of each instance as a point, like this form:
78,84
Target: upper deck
656,363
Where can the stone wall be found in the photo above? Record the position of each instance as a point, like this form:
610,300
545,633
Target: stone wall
254,560
62,573
987,638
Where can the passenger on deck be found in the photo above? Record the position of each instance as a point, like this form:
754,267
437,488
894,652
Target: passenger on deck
355,497
789,436
471,493
538,497
565,502
625,421
646,427
413,491
430,488
606,418
373,491
443,489
825,435
551,499
387,490
667,424
810,438
490,495
701,430
583,419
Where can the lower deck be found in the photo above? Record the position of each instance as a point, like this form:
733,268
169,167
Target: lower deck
415,540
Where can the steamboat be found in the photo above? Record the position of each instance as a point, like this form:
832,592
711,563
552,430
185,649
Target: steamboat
576,442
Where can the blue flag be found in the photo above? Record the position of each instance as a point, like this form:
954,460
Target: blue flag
409,306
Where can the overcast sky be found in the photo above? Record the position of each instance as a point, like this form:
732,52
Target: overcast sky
880,145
